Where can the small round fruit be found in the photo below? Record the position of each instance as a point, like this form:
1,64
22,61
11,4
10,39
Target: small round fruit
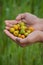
29,31
22,23
26,29
18,26
19,35
16,33
15,27
22,36
22,31
23,27
31,28
26,34
11,30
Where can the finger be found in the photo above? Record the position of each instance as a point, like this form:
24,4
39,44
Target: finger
11,22
22,42
20,16
7,28
34,36
38,27
19,41
10,35
9,25
24,20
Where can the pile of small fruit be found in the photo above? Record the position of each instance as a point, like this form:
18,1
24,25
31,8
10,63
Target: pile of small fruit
21,30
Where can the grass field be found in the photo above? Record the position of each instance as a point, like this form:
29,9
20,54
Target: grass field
10,52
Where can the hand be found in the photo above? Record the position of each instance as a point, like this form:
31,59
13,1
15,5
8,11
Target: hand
31,20
28,18
30,39
33,37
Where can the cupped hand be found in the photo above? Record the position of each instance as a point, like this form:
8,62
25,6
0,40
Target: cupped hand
31,38
28,18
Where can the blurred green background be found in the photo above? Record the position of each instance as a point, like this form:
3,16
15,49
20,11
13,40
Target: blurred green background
10,52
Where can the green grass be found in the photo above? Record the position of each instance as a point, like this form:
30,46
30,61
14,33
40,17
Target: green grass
10,52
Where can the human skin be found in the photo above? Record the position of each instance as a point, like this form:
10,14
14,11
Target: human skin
30,20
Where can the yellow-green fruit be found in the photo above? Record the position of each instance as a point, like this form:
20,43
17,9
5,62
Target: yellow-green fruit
19,35
22,23
16,33
26,34
23,27
22,31
18,26
26,29
11,30
29,31
15,27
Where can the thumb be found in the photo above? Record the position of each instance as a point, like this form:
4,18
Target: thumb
20,16
19,40
24,21
22,42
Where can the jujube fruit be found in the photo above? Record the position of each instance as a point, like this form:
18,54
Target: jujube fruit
15,27
22,23
19,35
22,36
21,30
11,30
23,27
29,31
26,34
16,33
31,28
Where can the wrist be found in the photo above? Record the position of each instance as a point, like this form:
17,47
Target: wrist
40,20
37,20
41,36
40,23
